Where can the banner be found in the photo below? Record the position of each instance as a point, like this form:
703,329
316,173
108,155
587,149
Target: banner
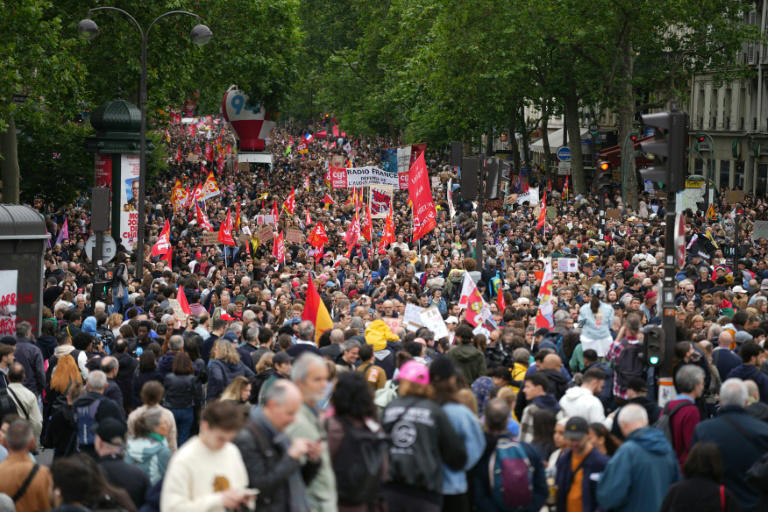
416,151
424,214
568,264
403,164
380,200
210,187
353,177
265,219
129,198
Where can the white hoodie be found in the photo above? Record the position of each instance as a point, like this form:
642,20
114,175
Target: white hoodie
581,402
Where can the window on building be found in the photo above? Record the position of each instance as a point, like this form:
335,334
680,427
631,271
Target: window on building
762,180
738,177
725,171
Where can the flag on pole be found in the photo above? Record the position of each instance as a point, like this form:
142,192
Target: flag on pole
353,233
565,187
470,299
711,215
290,204
278,248
318,237
367,230
449,194
316,312
327,201
237,216
500,302
275,212
544,314
202,219
225,231
163,244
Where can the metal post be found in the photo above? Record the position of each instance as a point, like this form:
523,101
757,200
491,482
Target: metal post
668,322
479,234
98,252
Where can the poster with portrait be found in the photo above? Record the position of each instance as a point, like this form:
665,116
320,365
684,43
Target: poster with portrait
129,200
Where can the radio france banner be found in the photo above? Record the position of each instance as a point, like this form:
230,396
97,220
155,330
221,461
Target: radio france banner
353,177
380,200
129,197
531,197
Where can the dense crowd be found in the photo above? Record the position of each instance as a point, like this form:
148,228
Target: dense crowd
242,404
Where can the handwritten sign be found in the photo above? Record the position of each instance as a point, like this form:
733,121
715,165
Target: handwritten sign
433,320
177,309
265,233
8,301
294,236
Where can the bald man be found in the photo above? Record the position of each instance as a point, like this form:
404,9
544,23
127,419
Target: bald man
723,356
552,369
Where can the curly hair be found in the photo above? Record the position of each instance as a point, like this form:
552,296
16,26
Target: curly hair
352,396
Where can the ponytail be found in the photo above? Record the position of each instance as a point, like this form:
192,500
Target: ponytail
594,304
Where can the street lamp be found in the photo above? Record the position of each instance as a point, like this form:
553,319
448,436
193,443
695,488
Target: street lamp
200,35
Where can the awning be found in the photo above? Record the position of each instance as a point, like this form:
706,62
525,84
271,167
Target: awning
555,141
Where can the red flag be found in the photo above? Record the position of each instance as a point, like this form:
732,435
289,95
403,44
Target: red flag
202,219
179,158
549,185
275,213
389,233
225,231
327,201
368,226
316,312
420,193
278,248
318,237
169,258
544,316
565,187
208,152
500,302
542,212
182,298
163,244
353,233
237,216
309,219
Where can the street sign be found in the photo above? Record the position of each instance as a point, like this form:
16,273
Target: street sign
564,167
108,248
564,154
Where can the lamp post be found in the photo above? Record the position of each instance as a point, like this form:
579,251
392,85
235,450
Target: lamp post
200,35
709,165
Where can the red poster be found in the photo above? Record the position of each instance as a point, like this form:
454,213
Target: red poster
420,193
103,166
338,177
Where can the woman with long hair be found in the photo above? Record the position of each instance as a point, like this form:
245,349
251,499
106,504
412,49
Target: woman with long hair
701,489
147,371
223,367
423,439
79,482
238,391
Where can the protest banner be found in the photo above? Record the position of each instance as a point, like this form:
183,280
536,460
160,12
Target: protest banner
380,200
294,236
354,177
433,320
531,196
412,317
568,264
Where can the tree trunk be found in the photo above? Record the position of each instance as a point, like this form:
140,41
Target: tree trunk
9,165
545,138
515,148
525,140
571,104
626,116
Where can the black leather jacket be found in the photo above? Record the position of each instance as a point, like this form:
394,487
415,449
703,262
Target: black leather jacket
182,391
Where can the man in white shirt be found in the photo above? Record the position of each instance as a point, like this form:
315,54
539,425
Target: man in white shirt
208,473
26,401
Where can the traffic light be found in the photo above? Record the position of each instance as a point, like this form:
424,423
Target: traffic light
653,338
604,179
604,166
667,150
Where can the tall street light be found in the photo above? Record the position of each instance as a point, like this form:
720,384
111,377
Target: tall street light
200,35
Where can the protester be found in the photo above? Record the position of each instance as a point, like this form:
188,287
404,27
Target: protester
26,401
92,408
24,480
576,487
682,411
148,447
639,474
183,395
109,445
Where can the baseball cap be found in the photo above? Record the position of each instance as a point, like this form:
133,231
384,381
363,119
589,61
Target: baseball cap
739,289
414,371
452,320
576,428
281,358
110,428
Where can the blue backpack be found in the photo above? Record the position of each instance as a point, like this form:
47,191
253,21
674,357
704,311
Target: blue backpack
510,475
85,420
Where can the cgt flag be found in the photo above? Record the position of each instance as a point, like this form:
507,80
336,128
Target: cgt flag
544,314
542,212
163,244
420,193
478,311
225,231
202,219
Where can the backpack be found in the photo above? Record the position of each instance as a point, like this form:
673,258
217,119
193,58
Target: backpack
385,395
510,475
630,363
664,423
357,464
85,419
454,285
494,285
7,404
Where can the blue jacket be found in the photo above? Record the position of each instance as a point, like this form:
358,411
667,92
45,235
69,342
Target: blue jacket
748,372
593,463
639,474
725,361
465,424
738,452
220,374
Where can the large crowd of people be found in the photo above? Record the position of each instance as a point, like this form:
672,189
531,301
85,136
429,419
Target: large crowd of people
244,403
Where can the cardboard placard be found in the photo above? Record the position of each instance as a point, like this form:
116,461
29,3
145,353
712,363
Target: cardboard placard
433,320
243,166
210,238
568,264
265,233
734,196
177,310
612,213
294,236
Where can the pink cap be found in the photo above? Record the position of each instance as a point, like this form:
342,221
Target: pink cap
415,372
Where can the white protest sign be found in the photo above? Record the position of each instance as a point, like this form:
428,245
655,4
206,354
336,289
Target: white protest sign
568,265
531,196
433,320
412,317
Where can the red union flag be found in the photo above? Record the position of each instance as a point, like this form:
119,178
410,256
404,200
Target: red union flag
542,212
318,237
477,310
353,233
202,219
290,204
420,193
208,152
163,244
278,249
544,317
225,231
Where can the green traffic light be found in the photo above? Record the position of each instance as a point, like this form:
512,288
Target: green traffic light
654,360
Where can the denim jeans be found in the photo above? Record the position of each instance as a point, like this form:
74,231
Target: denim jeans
184,419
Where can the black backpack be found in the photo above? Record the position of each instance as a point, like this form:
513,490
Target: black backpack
357,464
7,405
630,364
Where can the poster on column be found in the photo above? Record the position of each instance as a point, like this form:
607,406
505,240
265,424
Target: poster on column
8,293
103,166
129,199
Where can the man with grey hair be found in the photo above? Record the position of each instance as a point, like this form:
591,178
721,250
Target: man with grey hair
349,355
90,409
682,411
310,374
273,461
742,440
110,366
334,350
249,346
305,340
642,469
19,467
